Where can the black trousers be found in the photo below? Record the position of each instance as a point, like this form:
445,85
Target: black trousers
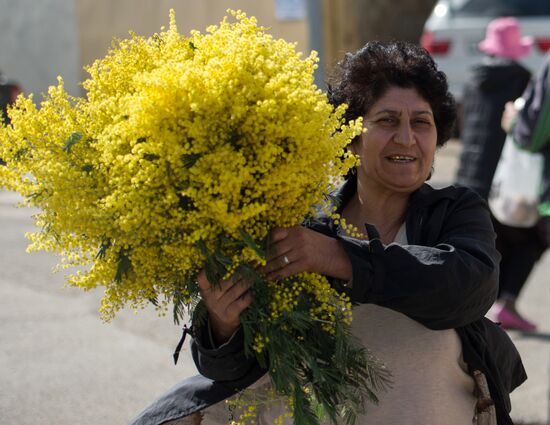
520,248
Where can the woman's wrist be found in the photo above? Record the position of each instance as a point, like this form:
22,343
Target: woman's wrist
339,266
221,332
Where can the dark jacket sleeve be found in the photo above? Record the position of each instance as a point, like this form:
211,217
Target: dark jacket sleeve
445,278
532,124
225,363
488,348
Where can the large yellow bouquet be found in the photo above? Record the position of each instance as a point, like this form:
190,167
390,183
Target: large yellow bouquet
183,155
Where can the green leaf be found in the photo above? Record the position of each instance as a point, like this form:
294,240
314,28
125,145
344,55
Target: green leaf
234,138
211,275
20,154
35,196
157,40
192,46
249,241
319,411
202,248
250,273
179,300
199,315
213,269
123,266
71,141
151,156
221,258
190,159
105,245
186,203
303,413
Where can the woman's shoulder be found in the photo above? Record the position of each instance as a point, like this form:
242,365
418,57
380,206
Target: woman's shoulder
428,195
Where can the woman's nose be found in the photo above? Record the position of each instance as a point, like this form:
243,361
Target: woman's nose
404,135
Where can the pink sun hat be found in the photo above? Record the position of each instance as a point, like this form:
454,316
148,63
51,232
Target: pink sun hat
503,38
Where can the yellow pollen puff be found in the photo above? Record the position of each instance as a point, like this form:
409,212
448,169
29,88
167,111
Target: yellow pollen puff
184,148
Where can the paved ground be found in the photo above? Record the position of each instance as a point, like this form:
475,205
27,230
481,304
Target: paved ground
60,365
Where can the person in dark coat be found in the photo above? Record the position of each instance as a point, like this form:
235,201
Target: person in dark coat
498,79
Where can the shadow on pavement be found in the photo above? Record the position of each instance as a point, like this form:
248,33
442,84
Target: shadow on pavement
540,336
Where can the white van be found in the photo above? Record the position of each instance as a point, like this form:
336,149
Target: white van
455,28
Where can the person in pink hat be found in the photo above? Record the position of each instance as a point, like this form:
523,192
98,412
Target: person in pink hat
498,79
503,39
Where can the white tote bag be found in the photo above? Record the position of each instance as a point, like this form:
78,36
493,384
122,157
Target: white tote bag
514,195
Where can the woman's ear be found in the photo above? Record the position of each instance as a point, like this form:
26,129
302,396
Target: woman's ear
353,146
432,170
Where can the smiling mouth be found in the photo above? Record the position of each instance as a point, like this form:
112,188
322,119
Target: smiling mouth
400,158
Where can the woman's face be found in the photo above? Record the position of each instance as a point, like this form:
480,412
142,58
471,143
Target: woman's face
397,150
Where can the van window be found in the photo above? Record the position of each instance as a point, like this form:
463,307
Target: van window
495,8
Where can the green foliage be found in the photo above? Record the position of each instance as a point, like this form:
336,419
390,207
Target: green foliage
251,243
329,375
73,139
124,265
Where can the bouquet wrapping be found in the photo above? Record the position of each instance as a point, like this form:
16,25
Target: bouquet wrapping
183,154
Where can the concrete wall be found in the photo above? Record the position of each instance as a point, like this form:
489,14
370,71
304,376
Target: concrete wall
101,20
38,42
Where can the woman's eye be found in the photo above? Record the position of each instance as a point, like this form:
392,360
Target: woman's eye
422,123
386,120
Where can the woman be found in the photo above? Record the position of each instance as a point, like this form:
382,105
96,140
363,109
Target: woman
425,272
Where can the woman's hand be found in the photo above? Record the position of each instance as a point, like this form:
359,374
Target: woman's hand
299,249
224,303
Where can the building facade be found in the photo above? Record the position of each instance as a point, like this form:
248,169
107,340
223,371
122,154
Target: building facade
41,40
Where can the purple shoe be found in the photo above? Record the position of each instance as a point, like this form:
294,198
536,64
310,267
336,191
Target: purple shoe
510,320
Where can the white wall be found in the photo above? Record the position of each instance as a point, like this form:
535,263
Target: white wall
38,42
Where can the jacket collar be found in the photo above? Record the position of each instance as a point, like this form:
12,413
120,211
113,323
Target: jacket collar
424,196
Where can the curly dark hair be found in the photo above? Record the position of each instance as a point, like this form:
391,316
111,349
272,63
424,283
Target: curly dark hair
361,78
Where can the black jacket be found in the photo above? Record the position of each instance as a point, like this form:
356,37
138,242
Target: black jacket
492,84
445,278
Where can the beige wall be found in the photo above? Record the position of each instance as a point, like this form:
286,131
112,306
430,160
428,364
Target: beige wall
98,21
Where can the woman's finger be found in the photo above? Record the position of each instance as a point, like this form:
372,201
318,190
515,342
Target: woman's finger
222,286
278,234
277,263
276,244
204,284
241,303
287,271
235,292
